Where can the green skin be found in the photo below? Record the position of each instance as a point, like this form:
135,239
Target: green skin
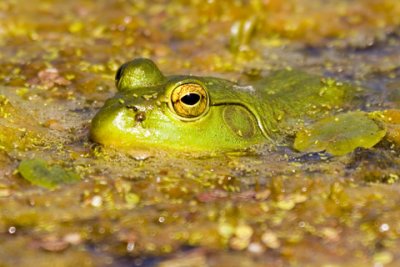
140,115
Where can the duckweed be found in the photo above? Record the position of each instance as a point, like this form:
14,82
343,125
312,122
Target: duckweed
253,208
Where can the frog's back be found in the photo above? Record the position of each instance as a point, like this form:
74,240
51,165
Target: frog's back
289,98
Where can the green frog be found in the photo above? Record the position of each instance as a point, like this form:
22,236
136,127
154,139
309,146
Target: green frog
192,113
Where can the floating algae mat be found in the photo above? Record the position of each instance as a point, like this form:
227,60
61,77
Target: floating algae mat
66,200
39,173
340,134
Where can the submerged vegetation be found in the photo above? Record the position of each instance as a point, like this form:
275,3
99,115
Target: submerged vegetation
265,205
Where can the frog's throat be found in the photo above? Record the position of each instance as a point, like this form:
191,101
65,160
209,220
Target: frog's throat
261,126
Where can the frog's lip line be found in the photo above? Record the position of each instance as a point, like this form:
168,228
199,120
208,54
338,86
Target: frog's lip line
258,119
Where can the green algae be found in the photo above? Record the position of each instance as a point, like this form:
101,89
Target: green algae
340,134
38,172
181,209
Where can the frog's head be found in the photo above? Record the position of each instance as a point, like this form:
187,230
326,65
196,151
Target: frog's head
187,113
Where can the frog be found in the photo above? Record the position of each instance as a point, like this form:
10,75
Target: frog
151,110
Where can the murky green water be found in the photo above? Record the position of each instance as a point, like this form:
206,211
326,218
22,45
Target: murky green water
266,206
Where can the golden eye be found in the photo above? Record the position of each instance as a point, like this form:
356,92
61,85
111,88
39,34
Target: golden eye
189,100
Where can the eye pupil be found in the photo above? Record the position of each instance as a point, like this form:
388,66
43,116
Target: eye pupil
190,99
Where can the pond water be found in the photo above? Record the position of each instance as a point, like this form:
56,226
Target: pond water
268,205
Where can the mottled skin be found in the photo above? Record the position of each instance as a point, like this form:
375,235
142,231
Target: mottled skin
230,116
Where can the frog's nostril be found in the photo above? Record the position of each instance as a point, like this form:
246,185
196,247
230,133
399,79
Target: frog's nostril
140,116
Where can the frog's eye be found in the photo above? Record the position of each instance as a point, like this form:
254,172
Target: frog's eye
189,100
138,73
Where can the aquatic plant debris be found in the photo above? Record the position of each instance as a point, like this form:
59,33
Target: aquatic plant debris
38,172
170,210
340,134
391,120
